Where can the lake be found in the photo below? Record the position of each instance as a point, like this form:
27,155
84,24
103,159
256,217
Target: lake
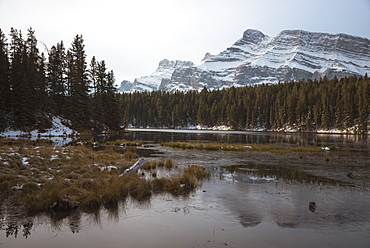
253,199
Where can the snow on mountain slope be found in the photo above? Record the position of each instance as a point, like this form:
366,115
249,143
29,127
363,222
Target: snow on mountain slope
160,77
257,58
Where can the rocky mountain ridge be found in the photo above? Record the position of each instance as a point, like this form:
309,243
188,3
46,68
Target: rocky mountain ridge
258,58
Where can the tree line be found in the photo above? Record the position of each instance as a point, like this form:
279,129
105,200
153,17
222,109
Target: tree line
35,86
306,105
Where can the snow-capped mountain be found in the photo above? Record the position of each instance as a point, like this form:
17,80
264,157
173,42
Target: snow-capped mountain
257,58
160,79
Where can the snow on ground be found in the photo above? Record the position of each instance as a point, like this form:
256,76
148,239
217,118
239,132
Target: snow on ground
59,129
59,133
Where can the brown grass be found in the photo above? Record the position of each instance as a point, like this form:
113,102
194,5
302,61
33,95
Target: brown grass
240,147
48,174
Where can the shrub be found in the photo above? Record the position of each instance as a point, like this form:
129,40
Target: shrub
168,163
160,184
199,172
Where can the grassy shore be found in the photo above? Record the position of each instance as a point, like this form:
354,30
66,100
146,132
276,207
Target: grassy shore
241,147
40,177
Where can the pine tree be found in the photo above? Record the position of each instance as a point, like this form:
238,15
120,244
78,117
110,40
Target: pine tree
57,78
97,78
22,93
78,101
363,106
4,81
110,103
44,108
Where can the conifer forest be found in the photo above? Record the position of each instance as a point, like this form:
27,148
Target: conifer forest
35,86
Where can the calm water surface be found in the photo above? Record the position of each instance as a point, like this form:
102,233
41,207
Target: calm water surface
252,200
348,141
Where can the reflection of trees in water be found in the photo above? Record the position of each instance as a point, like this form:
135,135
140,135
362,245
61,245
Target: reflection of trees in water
12,225
300,139
12,229
284,172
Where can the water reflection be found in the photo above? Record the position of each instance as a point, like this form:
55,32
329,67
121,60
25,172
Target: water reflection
73,220
347,141
12,230
259,173
252,199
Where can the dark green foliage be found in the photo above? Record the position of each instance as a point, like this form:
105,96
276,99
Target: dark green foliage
32,90
303,105
57,77
4,81
104,101
78,101
28,94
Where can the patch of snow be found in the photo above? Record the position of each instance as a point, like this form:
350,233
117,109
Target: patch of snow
24,161
108,168
221,128
58,129
58,133
18,186
258,178
53,157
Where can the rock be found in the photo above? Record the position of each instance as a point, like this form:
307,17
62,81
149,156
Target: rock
64,204
349,174
312,206
353,175
125,86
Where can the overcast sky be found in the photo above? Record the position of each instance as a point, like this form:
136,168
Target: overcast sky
133,36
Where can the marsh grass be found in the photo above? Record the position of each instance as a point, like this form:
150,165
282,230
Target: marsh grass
124,143
130,155
37,176
168,163
153,165
240,147
189,179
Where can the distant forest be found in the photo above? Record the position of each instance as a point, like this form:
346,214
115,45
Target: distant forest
304,105
34,87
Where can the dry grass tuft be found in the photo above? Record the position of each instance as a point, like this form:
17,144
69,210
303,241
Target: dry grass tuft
39,176
240,147
130,155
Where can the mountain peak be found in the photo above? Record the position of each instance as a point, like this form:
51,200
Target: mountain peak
258,58
207,56
253,34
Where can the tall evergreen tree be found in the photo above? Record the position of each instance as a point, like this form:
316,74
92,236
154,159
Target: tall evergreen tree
57,78
97,113
22,94
4,81
77,104
363,94
36,80
110,103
